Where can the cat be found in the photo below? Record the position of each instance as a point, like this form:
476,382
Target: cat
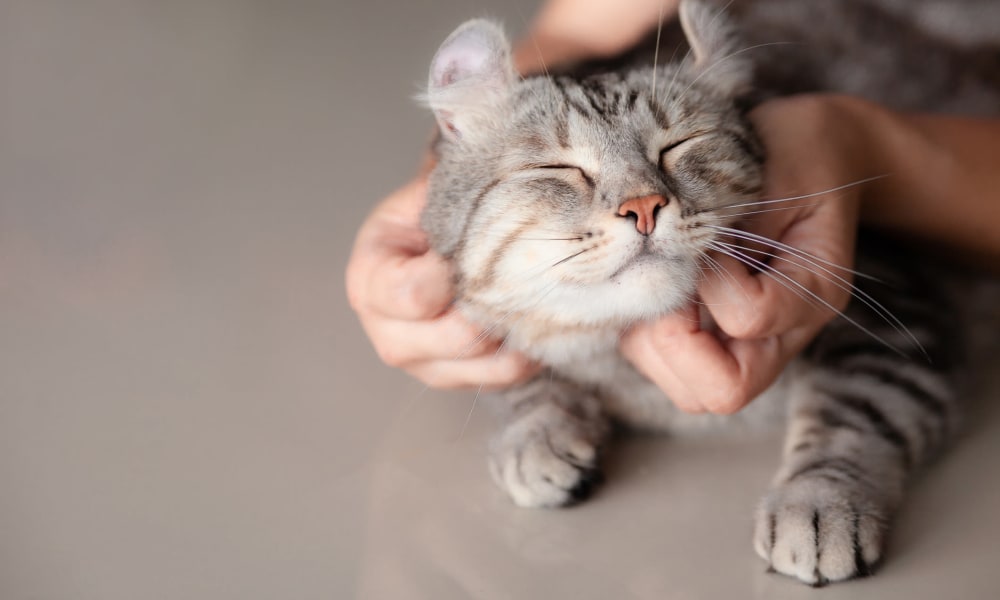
573,206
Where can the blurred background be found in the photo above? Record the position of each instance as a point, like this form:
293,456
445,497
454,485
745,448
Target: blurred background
188,408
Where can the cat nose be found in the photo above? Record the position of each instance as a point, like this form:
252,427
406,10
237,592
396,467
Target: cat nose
644,209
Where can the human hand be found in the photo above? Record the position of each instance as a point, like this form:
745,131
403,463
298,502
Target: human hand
401,291
768,314
565,31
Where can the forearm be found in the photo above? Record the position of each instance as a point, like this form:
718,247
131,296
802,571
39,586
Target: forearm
567,30
943,180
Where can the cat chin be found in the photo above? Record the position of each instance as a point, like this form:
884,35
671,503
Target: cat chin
645,291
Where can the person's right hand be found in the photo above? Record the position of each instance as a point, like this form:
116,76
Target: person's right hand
402,293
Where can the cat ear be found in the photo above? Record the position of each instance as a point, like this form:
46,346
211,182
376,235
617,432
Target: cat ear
715,48
471,75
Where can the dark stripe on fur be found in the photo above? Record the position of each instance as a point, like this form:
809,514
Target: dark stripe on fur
880,424
476,204
570,101
485,278
658,114
890,377
843,466
832,419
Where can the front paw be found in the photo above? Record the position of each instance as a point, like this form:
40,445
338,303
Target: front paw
547,458
820,530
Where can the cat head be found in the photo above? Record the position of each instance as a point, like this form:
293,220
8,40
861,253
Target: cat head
586,200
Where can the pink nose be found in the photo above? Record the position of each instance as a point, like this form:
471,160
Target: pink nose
644,209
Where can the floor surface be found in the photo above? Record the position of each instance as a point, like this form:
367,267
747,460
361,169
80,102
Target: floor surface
189,410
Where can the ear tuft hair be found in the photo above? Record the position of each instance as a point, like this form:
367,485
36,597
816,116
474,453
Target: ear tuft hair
715,48
470,76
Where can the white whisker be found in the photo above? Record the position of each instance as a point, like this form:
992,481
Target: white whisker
753,237
802,291
876,307
656,51
723,59
767,210
811,195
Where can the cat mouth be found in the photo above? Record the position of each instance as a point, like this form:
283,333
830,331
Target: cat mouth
646,257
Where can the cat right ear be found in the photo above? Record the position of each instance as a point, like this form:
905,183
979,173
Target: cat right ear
470,77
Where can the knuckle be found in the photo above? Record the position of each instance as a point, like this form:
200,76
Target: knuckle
726,399
750,322
390,354
442,381
430,377
412,300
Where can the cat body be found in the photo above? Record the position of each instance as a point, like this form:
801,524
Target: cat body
573,206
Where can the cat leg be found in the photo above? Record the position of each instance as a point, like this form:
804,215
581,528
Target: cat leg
855,433
545,454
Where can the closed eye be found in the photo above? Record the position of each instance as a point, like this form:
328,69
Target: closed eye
670,147
583,173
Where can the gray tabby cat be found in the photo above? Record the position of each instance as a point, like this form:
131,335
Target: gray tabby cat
575,206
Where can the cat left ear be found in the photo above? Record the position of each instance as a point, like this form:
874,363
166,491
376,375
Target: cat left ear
470,76
715,48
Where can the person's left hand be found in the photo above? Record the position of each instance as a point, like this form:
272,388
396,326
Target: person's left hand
769,315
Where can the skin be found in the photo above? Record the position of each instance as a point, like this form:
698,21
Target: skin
941,187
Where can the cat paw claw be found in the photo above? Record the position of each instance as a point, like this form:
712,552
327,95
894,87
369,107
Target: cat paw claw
819,533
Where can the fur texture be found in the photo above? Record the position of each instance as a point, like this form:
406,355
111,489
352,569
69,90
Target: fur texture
575,205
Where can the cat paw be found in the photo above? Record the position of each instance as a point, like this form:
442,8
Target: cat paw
820,531
547,458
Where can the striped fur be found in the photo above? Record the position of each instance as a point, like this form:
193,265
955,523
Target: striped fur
525,203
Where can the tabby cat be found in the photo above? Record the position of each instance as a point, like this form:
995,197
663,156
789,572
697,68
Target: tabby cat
575,205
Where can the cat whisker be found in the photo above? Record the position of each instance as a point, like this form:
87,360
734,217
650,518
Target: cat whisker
803,196
468,417
534,42
499,349
714,264
843,284
800,290
767,210
528,274
570,257
656,51
715,18
876,307
722,60
806,256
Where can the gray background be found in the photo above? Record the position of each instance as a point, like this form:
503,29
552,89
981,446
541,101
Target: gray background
188,409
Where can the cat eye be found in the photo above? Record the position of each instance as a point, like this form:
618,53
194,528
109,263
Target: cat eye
670,147
559,166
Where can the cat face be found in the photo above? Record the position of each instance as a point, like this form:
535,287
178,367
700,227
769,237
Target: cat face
583,201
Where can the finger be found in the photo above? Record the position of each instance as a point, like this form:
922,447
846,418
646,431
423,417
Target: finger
391,270
698,371
756,305
784,293
449,337
651,347
638,347
409,287
492,371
